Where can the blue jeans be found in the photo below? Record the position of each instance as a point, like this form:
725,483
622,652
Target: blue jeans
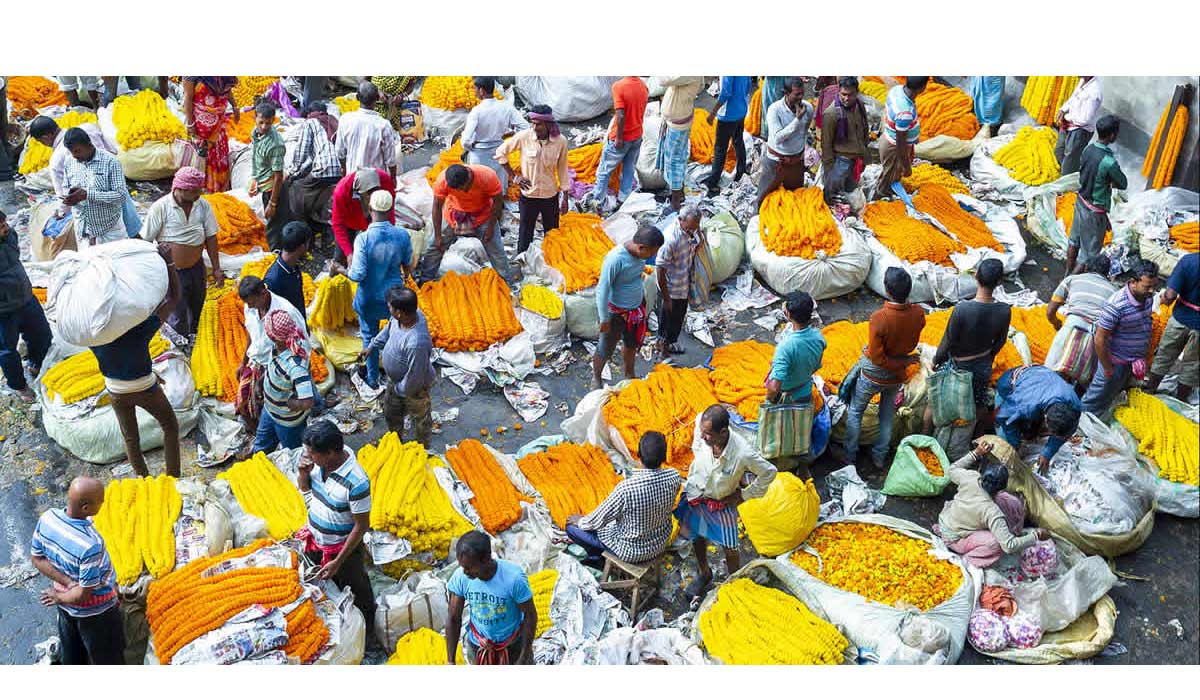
588,540
369,316
626,156
271,435
1104,389
864,389
28,321
129,215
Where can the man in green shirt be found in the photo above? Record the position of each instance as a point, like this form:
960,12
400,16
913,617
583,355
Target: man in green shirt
266,171
1099,174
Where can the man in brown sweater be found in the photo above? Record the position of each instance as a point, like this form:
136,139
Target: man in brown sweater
843,139
895,331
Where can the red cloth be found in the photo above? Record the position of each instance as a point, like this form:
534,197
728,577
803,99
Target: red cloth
635,319
493,653
327,551
280,327
826,98
999,600
709,503
347,214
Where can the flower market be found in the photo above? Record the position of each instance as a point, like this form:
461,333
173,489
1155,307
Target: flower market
907,372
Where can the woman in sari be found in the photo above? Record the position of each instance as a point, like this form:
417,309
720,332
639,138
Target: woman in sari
205,99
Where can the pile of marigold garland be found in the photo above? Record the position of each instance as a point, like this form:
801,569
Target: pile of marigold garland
585,162
873,87
496,500
577,249
29,93
753,124
468,312
78,377
908,238
422,647
946,111
936,201
1171,441
1186,236
334,305
37,155
844,342
797,223
251,86
928,173
238,229
879,564
1172,142
704,139
143,118
262,490
668,400
1030,156
542,584
450,92
737,375
755,625
242,129
137,522
221,342
1037,328
929,460
1044,94
541,300
572,479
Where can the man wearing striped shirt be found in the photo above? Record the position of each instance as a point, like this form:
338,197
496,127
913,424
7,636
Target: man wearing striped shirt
338,495
1122,338
288,390
901,129
68,550
1081,298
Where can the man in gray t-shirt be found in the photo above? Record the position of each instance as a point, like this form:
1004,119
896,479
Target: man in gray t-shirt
405,349
787,137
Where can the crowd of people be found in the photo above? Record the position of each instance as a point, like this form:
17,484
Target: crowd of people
341,181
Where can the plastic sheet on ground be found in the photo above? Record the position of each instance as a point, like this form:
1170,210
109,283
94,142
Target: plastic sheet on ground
581,614
746,293
418,600
502,363
1143,222
823,277
528,399
850,495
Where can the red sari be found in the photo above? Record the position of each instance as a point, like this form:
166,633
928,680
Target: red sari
208,109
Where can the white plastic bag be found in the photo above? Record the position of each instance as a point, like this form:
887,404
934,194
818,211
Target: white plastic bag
1058,601
466,256
823,277
420,600
1041,213
573,98
648,175
106,290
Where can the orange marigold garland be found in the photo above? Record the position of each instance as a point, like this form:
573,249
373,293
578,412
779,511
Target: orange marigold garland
797,223
704,139
221,342
935,328
585,162
29,93
1184,236
238,229
1170,150
667,400
496,500
307,632
844,341
448,157
1037,329
468,312
753,125
573,479
936,201
930,460
577,249
908,238
242,129
946,111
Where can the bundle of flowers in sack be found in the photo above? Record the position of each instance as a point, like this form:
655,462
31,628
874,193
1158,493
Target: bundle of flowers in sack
1030,156
37,155
873,87
753,123
1037,328
1022,631
468,312
585,161
258,268
448,157
263,491
1044,94
879,564
577,249
1186,236
221,342
30,93
928,173
572,479
242,129
668,400
541,300
238,229
948,111
1064,210
78,377
137,522
250,86
204,595
406,499
749,624
704,139
542,584
797,223
738,372
935,200
451,92
333,306
143,118
1172,142
935,328
496,500
929,460
422,647
347,103
908,238
1165,437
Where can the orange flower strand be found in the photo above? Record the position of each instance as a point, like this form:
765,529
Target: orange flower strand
908,238
577,249
468,312
1185,236
585,162
238,229
948,111
307,632
1037,329
496,500
798,224
573,479
936,201
667,400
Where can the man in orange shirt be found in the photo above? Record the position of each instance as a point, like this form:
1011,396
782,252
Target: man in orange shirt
624,137
469,199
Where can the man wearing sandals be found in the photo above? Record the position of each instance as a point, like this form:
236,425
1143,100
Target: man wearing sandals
675,264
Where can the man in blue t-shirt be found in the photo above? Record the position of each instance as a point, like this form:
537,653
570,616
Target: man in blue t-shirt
797,356
730,113
503,617
1182,334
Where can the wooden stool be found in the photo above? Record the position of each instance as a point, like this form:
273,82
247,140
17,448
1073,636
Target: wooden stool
631,577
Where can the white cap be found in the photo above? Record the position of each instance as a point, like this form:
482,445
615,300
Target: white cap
381,200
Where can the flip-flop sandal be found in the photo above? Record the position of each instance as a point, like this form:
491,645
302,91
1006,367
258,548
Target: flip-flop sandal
674,349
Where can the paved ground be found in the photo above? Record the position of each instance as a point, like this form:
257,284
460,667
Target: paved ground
34,473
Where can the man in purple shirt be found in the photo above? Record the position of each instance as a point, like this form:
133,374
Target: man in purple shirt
1122,337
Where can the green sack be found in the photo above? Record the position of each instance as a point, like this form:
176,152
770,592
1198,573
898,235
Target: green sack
951,396
907,475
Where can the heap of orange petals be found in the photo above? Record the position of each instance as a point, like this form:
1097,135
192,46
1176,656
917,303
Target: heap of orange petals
496,500
468,312
908,238
577,249
930,460
573,479
937,202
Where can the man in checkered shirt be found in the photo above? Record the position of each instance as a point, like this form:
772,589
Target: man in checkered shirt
96,191
634,522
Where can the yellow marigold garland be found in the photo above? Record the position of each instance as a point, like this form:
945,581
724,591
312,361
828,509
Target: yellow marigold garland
928,173
908,238
753,125
450,92
347,103
1186,236
1171,148
263,491
448,157
667,400
541,300
37,155
749,624
78,377
496,500
238,229
251,86
577,249
1030,156
1044,94
874,89
879,564
704,139
334,306
542,583
421,647
936,201
468,312
797,223
946,111
1165,437
221,342
143,118
573,479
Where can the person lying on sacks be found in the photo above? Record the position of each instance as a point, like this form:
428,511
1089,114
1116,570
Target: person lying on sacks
983,521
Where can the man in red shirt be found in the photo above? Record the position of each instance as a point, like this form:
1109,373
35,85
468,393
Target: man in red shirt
624,137
468,199
349,215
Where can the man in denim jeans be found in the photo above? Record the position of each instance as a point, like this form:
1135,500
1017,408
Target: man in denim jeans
895,331
624,137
